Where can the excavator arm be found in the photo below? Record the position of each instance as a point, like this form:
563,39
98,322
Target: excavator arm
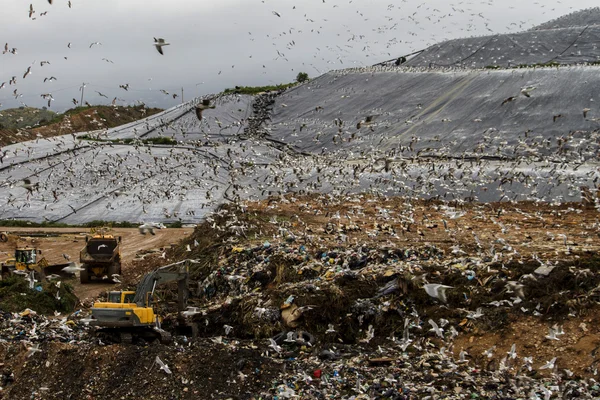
177,272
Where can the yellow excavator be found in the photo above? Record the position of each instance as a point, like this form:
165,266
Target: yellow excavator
28,259
130,316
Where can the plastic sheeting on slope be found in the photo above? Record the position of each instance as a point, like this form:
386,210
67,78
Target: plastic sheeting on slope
445,114
454,120
590,16
180,123
564,46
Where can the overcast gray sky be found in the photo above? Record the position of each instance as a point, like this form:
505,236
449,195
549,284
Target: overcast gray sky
222,43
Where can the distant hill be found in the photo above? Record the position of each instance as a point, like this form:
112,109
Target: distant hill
26,123
24,117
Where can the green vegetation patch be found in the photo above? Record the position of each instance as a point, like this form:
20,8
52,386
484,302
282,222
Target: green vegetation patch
258,89
155,140
17,118
28,224
16,296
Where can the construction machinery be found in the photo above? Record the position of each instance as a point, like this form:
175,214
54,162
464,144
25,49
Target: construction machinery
129,316
101,257
29,259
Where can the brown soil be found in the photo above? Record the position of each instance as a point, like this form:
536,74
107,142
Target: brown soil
70,241
89,119
407,241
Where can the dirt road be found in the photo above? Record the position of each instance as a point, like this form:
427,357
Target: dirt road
70,241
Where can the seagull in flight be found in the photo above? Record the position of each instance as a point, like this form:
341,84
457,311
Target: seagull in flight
203,106
436,290
27,72
159,43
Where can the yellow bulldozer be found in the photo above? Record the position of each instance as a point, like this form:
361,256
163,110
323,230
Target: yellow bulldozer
129,316
29,259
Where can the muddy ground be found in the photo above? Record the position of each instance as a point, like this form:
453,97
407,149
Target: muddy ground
70,241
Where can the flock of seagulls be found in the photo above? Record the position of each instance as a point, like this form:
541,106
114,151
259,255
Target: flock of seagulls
230,149
403,29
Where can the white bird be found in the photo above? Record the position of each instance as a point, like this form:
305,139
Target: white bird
463,357
162,365
474,315
290,338
436,290
489,353
190,311
516,287
527,362
435,328
513,351
277,14
71,269
273,344
549,364
558,330
159,43
525,91
32,350
551,334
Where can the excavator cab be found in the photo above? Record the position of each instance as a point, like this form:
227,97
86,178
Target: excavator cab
28,259
26,255
121,297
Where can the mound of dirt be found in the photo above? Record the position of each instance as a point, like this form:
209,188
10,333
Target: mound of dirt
80,119
320,296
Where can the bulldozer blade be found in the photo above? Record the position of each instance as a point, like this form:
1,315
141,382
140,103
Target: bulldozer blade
57,269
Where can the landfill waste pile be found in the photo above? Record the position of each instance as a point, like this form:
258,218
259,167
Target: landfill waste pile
350,297
416,231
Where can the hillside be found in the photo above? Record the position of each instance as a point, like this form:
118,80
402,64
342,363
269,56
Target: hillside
22,124
25,117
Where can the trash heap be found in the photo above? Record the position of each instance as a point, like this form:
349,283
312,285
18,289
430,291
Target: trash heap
361,298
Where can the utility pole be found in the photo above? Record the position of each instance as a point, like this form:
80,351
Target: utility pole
182,95
82,90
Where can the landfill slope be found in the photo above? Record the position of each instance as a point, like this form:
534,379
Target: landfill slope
443,113
444,133
571,39
311,139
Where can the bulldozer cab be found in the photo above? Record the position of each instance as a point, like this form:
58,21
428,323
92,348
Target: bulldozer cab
26,255
122,297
